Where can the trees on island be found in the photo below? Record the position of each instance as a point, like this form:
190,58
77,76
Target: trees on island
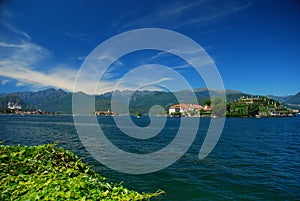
242,107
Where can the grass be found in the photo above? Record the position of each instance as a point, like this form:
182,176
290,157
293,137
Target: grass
47,172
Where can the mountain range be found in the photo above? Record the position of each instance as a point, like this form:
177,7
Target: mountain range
292,101
59,101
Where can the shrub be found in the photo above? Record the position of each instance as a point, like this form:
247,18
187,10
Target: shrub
46,172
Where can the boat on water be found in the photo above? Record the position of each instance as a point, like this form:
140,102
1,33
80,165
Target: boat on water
138,115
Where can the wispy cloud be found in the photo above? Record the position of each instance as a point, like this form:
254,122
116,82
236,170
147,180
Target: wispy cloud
177,8
4,81
80,58
35,79
213,14
159,55
4,44
193,56
23,53
151,77
18,61
10,27
24,61
78,36
179,14
20,58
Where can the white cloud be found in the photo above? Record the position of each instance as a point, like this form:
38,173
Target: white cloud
4,81
78,36
161,80
151,77
177,8
20,59
22,54
10,27
159,55
180,14
26,76
18,62
193,56
19,84
82,58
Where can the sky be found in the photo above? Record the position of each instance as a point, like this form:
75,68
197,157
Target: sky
254,44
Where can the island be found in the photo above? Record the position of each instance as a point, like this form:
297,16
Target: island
254,106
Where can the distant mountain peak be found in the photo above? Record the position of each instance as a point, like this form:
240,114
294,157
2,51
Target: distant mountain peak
39,97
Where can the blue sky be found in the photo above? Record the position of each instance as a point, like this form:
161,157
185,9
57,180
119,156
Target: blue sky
255,44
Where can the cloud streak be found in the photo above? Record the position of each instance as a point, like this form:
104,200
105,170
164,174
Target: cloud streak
20,59
174,15
36,79
10,27
79,36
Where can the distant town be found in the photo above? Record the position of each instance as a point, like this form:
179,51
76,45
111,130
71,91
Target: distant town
190,110
15,108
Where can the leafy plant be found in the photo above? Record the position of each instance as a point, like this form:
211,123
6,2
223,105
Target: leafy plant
46,172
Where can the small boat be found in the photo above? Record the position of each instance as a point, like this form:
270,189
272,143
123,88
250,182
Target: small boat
138,115
257,116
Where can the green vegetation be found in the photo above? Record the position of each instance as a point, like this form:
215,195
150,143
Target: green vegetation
218,107
49,173
243,107
207,102
256,106
61,104
176,114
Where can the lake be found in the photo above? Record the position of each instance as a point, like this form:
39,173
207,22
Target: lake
255,159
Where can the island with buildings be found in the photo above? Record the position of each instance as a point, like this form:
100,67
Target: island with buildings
190,110
254,106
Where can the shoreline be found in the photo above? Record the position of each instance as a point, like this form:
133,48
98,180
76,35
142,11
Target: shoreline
168,116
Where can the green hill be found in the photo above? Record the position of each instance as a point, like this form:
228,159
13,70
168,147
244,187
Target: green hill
61,104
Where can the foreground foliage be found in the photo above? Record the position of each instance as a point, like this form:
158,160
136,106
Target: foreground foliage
49,173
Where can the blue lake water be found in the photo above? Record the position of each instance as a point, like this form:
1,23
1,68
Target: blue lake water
255,159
